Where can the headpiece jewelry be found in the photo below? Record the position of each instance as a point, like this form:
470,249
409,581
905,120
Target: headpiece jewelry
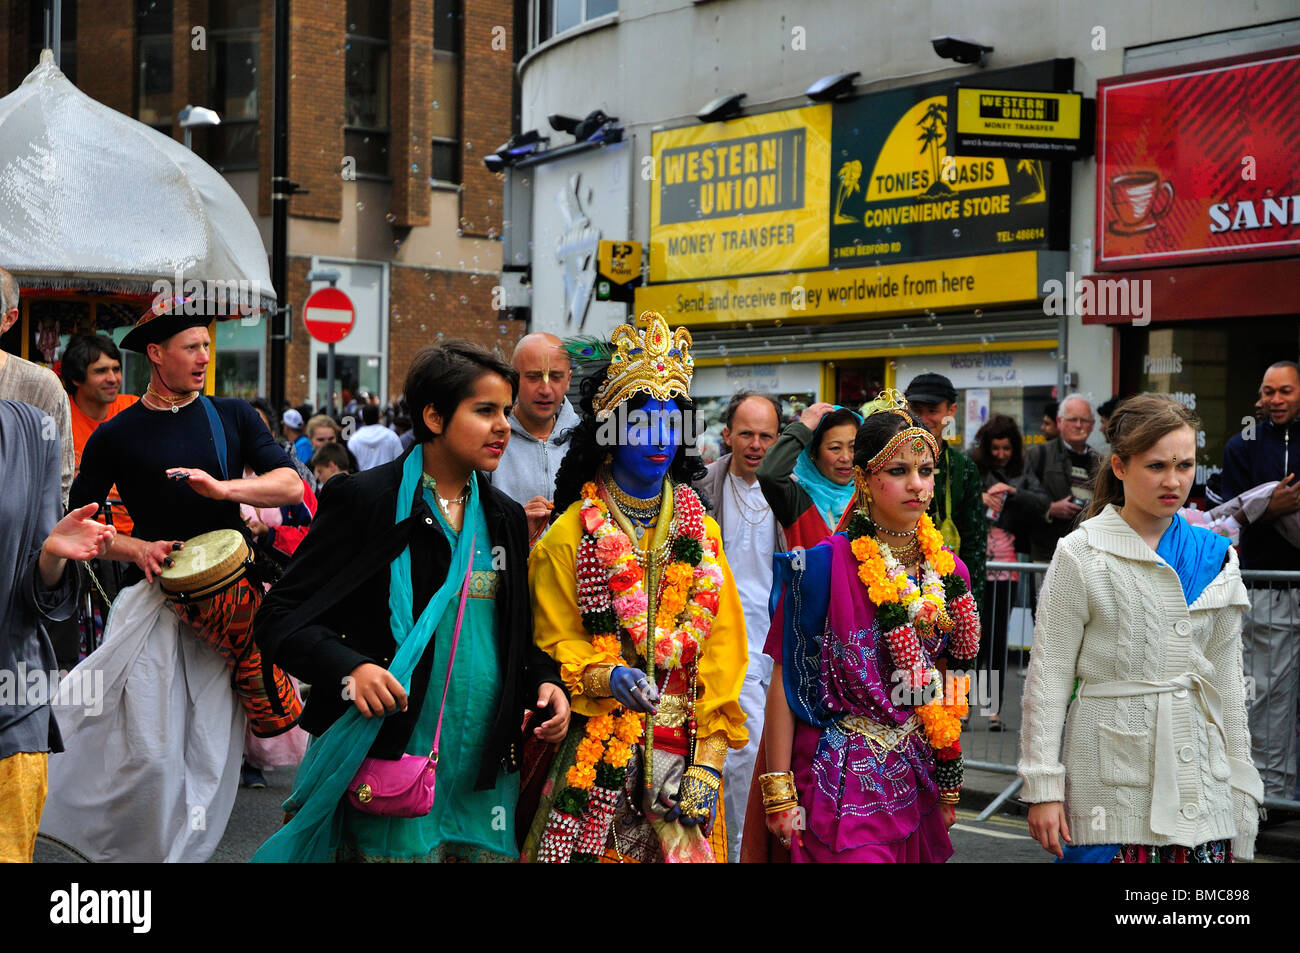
892,402
651,361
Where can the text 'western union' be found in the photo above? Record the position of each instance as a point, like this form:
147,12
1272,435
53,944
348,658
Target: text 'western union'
762,173
997,106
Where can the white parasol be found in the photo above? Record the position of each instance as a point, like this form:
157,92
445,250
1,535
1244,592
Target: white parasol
93,200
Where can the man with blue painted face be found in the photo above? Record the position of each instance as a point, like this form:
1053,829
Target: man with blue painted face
633,598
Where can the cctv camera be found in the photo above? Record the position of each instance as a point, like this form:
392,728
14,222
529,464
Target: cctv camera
959,50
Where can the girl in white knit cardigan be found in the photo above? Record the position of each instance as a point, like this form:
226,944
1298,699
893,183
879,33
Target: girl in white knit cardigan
1137,662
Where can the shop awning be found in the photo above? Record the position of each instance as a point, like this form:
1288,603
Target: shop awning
92,200
1251,289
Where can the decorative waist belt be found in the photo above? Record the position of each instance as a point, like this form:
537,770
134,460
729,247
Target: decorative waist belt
673,711
881,738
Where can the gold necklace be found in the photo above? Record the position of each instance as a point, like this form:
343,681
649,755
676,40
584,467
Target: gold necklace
174,404
744,508
635,507
908,554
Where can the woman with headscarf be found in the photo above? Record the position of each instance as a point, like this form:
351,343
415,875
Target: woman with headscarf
807,476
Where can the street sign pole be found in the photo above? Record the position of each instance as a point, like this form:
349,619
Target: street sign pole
329,377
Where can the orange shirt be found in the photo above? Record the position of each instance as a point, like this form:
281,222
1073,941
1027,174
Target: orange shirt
82,428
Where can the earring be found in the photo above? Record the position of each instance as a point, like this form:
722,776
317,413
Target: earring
609,458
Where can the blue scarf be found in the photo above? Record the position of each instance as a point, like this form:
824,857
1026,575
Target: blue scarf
1193,552
829,497
314,833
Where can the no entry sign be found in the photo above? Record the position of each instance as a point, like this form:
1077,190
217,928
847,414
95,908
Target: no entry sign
329,315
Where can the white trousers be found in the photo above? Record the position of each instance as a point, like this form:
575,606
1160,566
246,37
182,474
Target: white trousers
153,743
1272,660
740,762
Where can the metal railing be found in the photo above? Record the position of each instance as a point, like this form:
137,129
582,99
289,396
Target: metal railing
1270,637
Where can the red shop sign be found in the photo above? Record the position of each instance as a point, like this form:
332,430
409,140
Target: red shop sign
1198,163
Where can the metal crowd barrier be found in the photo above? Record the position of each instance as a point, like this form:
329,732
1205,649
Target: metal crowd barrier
1271,666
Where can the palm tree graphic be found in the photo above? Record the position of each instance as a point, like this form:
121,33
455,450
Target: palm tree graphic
850,175
1035,168
933,137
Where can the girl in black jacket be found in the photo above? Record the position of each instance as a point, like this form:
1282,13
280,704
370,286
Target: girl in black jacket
366,613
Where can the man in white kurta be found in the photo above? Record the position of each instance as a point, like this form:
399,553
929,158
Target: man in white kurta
750,536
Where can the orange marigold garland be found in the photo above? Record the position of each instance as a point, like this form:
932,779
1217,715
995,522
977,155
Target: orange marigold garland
906,613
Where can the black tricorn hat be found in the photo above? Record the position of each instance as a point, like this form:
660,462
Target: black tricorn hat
167,316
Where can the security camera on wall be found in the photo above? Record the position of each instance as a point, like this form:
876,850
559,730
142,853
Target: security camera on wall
961,51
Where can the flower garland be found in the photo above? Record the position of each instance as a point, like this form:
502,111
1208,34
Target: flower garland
908,613
611,585
611,595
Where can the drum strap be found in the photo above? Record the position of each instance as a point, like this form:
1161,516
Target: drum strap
218,433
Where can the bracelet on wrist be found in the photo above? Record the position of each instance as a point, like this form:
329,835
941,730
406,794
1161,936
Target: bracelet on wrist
595,681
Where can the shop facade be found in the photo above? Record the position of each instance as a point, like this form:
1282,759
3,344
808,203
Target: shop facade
883,252
1198,212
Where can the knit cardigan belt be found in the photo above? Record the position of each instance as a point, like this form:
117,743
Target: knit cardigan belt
1164,790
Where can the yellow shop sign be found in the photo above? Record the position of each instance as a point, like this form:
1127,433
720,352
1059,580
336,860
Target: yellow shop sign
978,281
744,196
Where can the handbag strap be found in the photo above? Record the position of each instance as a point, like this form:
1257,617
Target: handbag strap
218,434
455,639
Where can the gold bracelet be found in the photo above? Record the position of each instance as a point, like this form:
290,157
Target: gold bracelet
702,775
595,681
777,786
780,806
712,751
949,797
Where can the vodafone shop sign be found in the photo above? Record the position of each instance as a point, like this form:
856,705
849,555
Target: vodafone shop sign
329,315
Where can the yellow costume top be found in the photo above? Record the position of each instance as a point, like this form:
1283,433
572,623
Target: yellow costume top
558,630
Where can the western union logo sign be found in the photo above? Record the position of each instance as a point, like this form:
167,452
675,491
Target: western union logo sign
761,173
741,197
1010,112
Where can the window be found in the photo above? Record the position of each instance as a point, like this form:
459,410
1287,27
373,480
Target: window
448,30
553,17
233,43
365,123
240,348
153,105
67,39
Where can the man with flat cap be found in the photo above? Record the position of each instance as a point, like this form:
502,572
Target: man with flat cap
177,458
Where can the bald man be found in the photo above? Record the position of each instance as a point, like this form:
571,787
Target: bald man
540,424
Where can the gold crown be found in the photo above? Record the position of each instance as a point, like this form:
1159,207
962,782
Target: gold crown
650,361
889,400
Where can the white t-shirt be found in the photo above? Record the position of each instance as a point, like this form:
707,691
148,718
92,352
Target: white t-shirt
374,445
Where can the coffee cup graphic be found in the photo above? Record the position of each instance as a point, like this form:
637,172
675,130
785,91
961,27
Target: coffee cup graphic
1139,199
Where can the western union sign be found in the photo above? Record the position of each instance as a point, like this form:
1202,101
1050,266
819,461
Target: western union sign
1012,122
741,197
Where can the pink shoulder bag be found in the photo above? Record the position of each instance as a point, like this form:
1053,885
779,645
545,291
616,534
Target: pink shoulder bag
404,788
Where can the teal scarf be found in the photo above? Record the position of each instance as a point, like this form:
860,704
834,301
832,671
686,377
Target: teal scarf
829,497
313,835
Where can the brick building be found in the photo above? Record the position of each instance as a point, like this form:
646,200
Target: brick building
392,104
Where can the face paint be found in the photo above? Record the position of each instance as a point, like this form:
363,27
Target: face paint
646,447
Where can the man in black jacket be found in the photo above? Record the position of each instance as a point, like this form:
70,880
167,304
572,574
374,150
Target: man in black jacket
1262,455
1059,477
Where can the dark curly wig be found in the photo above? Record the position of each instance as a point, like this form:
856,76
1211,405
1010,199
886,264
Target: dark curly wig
586,453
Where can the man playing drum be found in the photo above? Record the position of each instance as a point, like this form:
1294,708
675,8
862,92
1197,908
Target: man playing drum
165,689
